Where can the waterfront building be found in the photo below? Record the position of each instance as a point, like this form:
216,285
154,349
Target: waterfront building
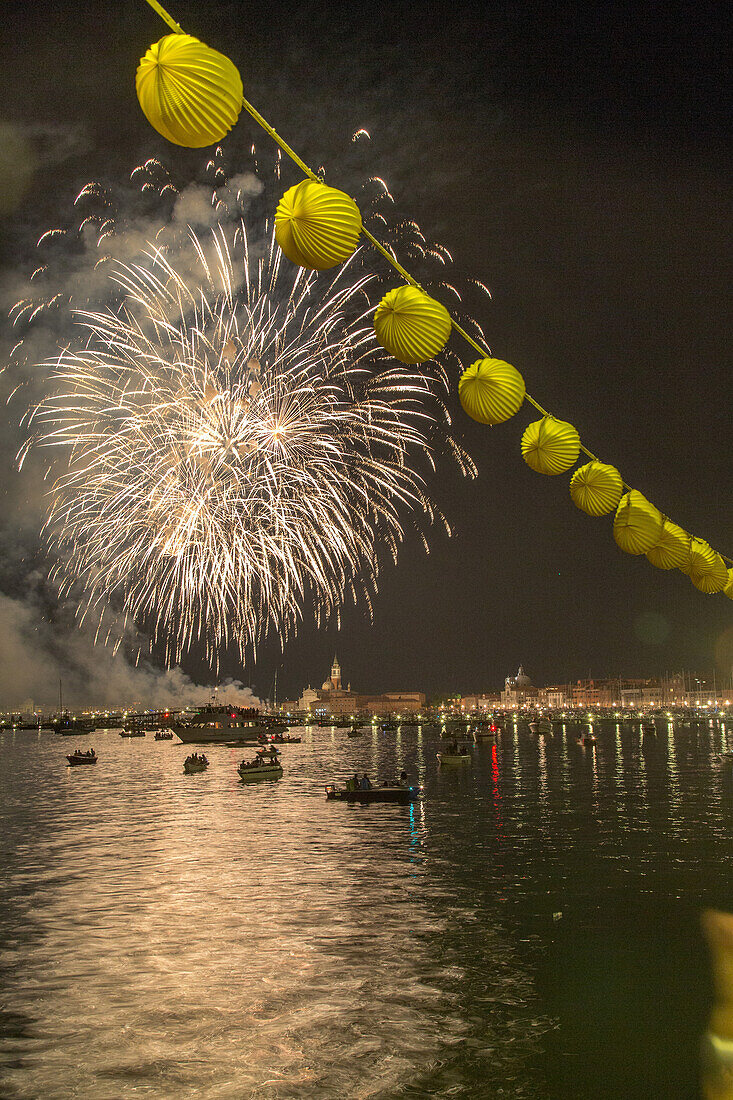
519,690
556,696
479,703
333,699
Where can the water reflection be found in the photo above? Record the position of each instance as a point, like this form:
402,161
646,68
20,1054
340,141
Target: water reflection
171,934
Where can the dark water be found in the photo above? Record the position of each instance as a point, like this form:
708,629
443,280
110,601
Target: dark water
165,935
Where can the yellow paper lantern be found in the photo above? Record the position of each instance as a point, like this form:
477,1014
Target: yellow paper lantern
411,325
189,93
317,226
491,390
550,446
673,549
637,525
706,569
596,488
728,590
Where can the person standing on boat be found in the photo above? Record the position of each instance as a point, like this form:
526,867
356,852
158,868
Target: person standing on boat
365,783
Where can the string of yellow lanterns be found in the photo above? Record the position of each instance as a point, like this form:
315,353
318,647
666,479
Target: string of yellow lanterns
192,95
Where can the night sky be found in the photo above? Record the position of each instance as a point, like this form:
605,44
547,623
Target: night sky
573,158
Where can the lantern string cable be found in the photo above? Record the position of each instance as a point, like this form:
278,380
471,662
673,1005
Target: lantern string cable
483,351
166,17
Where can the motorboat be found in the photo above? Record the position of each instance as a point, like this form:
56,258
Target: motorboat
213,724
252,770
197,762
164,735
386,793
79,757
132,733
463,756
280,739
541,726
357,731
648,729
483,732
588,738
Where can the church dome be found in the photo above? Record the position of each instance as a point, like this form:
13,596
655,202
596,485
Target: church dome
326,685
521,680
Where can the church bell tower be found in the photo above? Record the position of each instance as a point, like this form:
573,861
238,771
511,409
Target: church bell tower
336,674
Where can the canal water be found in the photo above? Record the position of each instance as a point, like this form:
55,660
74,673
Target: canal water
531,929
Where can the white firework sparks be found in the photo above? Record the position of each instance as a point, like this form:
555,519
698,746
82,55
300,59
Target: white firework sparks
234,450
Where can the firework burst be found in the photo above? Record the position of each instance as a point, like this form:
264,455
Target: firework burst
231,448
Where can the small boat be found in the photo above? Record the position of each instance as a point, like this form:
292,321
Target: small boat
252,770
356,731
588,739
197,762
541,726
387,793
462,757
132,733
279,739
79,757
648,729
163,735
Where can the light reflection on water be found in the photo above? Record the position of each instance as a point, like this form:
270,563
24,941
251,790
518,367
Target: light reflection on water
168,935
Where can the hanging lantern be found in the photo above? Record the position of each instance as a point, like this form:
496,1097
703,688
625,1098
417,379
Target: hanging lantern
637,524
317,226
673,549
728,590
411,325
596,488
189,93
550,446
706,569
491,391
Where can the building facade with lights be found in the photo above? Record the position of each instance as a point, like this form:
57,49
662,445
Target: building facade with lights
333,699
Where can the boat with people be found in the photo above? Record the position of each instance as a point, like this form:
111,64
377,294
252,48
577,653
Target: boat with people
215,724
386,793
164,735
648,729
81,756
132,733
541,726
264,766
279,739
454,755
196,762
483,731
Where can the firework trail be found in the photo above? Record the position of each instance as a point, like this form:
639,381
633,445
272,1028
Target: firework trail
233,449
230,450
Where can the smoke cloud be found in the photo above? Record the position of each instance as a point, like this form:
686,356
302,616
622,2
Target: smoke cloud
40,639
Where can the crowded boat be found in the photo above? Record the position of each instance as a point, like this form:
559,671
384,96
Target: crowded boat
81,756
196,762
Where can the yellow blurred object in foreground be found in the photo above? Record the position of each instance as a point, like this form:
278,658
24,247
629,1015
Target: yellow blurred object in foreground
717,1046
